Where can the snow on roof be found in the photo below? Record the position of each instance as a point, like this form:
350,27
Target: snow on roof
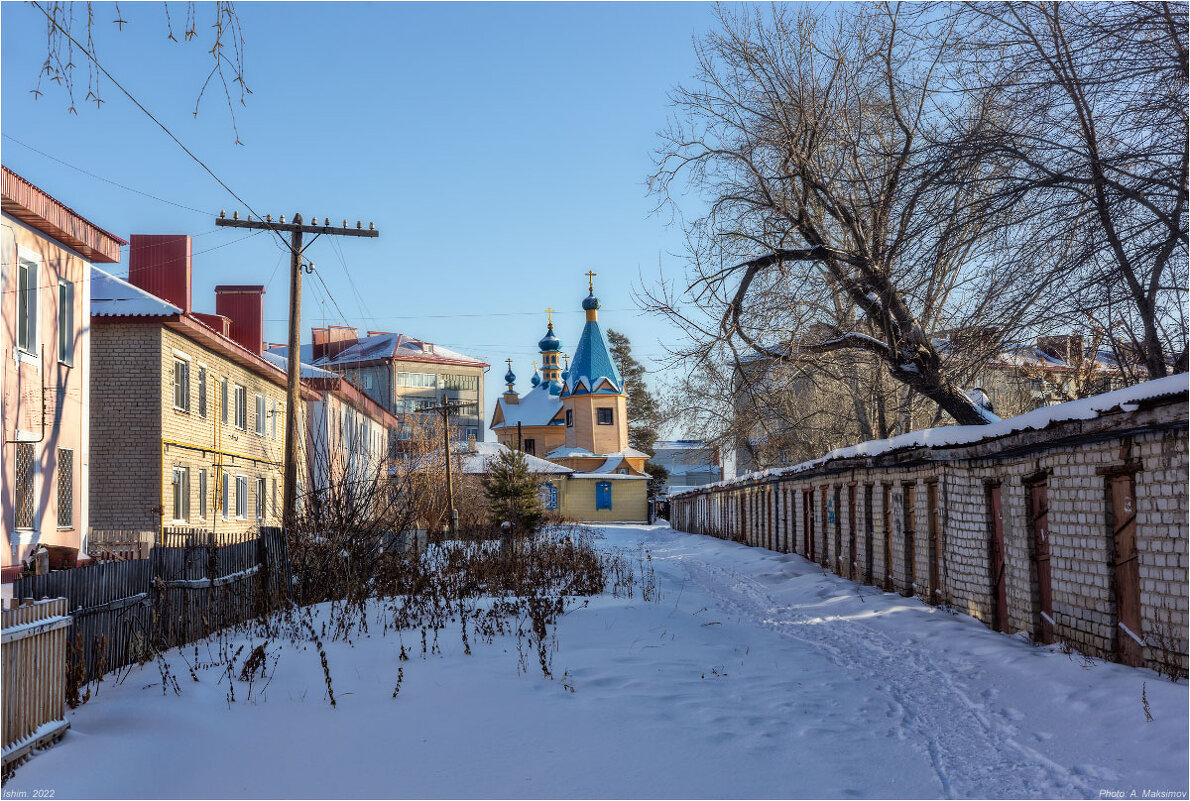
610,466
954,436
603,476
115,297
308,370
565,451
679,444
536,408
486,452
385,346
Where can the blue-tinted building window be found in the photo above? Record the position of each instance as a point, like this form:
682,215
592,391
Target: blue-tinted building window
548,493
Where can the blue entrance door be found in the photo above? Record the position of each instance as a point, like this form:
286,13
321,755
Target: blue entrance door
603,495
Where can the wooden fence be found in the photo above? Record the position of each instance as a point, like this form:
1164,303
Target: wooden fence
34,660
124,612
113,545
108,546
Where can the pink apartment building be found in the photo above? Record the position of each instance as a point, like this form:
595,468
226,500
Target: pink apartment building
48,250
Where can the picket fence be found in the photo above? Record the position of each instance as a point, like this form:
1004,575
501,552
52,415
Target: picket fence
34,667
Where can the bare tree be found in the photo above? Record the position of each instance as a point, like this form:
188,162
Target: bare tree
71,30
1088,129
822,139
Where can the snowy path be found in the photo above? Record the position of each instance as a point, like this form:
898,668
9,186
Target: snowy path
972,755
753,675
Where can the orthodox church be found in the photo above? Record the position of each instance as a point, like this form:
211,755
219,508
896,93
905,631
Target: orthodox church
576,416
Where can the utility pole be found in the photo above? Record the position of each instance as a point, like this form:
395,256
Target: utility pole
446,409
293,392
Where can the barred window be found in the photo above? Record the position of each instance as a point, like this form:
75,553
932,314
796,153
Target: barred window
65,488
24,485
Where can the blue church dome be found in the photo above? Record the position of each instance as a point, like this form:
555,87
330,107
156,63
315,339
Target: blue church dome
550,342
590,303
510,377
536,379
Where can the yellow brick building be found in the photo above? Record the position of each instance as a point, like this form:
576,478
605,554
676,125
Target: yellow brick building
188,423
577,417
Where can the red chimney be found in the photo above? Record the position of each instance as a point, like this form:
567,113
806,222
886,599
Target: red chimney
341,337
320,337
160,264
216,321
244,306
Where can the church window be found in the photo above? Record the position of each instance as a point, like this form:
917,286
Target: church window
570,418
605,417
531,447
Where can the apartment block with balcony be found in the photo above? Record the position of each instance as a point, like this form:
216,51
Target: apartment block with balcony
403,374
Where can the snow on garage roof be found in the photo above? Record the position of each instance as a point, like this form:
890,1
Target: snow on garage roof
1125,399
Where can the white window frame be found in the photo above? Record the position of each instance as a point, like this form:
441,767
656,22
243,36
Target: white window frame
273,418
224,400
184,363
261,490
30,263
181,494
260,413
202,390
226,493
241,497
241,408
65,322
202,493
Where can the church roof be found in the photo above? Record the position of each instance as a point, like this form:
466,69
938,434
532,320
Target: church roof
537,407
592,363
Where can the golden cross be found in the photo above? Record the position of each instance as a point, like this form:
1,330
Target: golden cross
567,358
509,363
591,280
550,312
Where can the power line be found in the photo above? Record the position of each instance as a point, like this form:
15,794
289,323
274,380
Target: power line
149,114
466,315
106,180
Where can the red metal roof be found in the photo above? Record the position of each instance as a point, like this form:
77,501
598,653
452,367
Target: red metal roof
38,209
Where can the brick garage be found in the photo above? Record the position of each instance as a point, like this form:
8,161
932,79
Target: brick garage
1088,546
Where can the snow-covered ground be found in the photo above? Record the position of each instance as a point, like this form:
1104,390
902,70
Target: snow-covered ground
755,674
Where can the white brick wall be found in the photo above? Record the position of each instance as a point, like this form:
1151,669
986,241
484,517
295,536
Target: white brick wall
1080,529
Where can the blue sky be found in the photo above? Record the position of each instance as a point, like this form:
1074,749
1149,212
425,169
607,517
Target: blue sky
502,149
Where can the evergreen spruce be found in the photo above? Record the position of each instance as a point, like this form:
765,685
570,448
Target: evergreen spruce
512,492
